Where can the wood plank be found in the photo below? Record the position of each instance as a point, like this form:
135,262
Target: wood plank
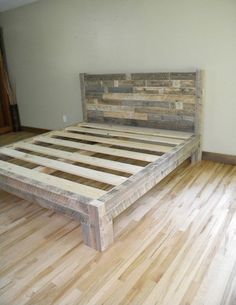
165,90
139,130
82,90
170,109
108,133
18,172
123,143
98,149
65,167
47,198
149,97
77,157
121,197
126,115
157,100
104,77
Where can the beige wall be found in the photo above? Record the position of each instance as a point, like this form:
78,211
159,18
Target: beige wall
49,42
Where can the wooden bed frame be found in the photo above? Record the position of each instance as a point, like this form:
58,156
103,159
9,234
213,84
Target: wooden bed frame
138,128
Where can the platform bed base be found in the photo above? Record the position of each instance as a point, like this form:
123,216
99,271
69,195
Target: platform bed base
93,171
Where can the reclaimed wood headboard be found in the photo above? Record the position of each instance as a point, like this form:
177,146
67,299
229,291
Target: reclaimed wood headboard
169,100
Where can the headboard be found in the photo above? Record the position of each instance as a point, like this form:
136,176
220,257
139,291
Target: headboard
169,100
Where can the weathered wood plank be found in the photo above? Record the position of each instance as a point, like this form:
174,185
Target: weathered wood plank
126,115
122,143
146,138
148,76
149,97
65,167
152,123
104,76
48,182
83,99
183,75
136,106
98,149
77,157
137,94
98,231
138,130
197,156
165,90
122,196
47,199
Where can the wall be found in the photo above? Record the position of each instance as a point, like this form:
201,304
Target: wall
49,42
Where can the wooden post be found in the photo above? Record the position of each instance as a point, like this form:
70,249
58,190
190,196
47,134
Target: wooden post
197,155
98,232
82,88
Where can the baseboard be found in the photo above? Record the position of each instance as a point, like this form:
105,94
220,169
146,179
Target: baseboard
5,129
34,129
222,158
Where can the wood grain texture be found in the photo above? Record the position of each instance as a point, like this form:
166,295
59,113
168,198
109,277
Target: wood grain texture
175,243
64,167
98,149
82,91
78,157
124,195
114,142
157,100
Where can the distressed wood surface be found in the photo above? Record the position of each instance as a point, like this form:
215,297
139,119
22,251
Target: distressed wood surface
49,182
116,134
65,167
124,195
155,100
114,142
78,157
98,149
139,130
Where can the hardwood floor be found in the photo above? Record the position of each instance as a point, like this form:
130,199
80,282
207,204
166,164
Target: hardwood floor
11,137
175,246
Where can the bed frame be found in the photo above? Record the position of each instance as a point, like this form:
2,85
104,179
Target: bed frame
137,129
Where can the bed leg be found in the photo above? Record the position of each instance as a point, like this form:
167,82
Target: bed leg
196,156
98,233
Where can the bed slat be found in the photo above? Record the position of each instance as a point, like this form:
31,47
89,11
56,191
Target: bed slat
139,130
65,167
77,157
98,149
9,169
128,144
108,133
